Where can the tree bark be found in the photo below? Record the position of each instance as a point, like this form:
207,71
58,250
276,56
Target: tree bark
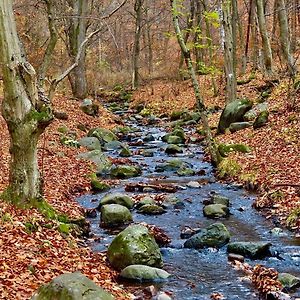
136,46
214,153
285,37
268,58
24,109
76,36
229,53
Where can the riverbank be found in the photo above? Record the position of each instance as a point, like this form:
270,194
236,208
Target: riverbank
32,251
273,165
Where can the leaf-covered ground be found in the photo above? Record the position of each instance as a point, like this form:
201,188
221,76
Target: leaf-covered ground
274,162
32,251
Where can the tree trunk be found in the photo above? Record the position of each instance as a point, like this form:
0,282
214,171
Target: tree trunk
25,111
229,53
285,37
214,153
136,46
76,36
268,59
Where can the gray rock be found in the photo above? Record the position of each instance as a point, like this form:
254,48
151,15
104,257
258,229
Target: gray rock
239,126
91,143
215,211
143,273
233,112
114,215
194,184
124,171
145,201
173,149
215,235
89,107
103,135
250,249
113,145
116,198
71,286
288,281
97,157
134,246
149,138
147,153
151,209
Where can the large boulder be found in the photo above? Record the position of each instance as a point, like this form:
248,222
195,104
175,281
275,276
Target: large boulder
215,235
143,273
215,211
103,135
71,286
233,112
134,246
114,215
116,198
250,249
89,107
124,171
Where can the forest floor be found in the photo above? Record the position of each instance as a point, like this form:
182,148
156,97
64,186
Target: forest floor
29,258
273,165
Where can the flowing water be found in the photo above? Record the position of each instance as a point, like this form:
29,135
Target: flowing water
198,274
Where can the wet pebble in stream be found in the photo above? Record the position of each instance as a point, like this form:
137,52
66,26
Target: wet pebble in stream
196,273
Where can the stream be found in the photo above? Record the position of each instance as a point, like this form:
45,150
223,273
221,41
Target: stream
198,273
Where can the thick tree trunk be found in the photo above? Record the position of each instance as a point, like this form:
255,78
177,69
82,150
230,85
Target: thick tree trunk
229,53
77,34
215,156
268,58
24,109
285,37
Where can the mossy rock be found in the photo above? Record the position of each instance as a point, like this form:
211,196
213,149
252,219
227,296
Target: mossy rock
114,215
215,211
233,112
99,186
250,249
91,143
185,172
254,112
261,120
124,171
215,235
141,273
171,165
71,286
145,201
103,135
117,198
173,149
151,209
176,115
218,199
89,107
288,281
125,152
134,246
225,149
172,139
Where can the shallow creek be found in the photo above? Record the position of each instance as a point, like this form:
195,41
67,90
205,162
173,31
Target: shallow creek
198,274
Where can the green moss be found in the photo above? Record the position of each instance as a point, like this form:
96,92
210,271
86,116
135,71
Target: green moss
99,186
293,217
31,227
228,167
225,149
64,228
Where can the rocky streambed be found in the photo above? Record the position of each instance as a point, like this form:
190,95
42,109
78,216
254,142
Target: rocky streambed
174,189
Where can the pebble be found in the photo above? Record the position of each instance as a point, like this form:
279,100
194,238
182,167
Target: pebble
194,184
